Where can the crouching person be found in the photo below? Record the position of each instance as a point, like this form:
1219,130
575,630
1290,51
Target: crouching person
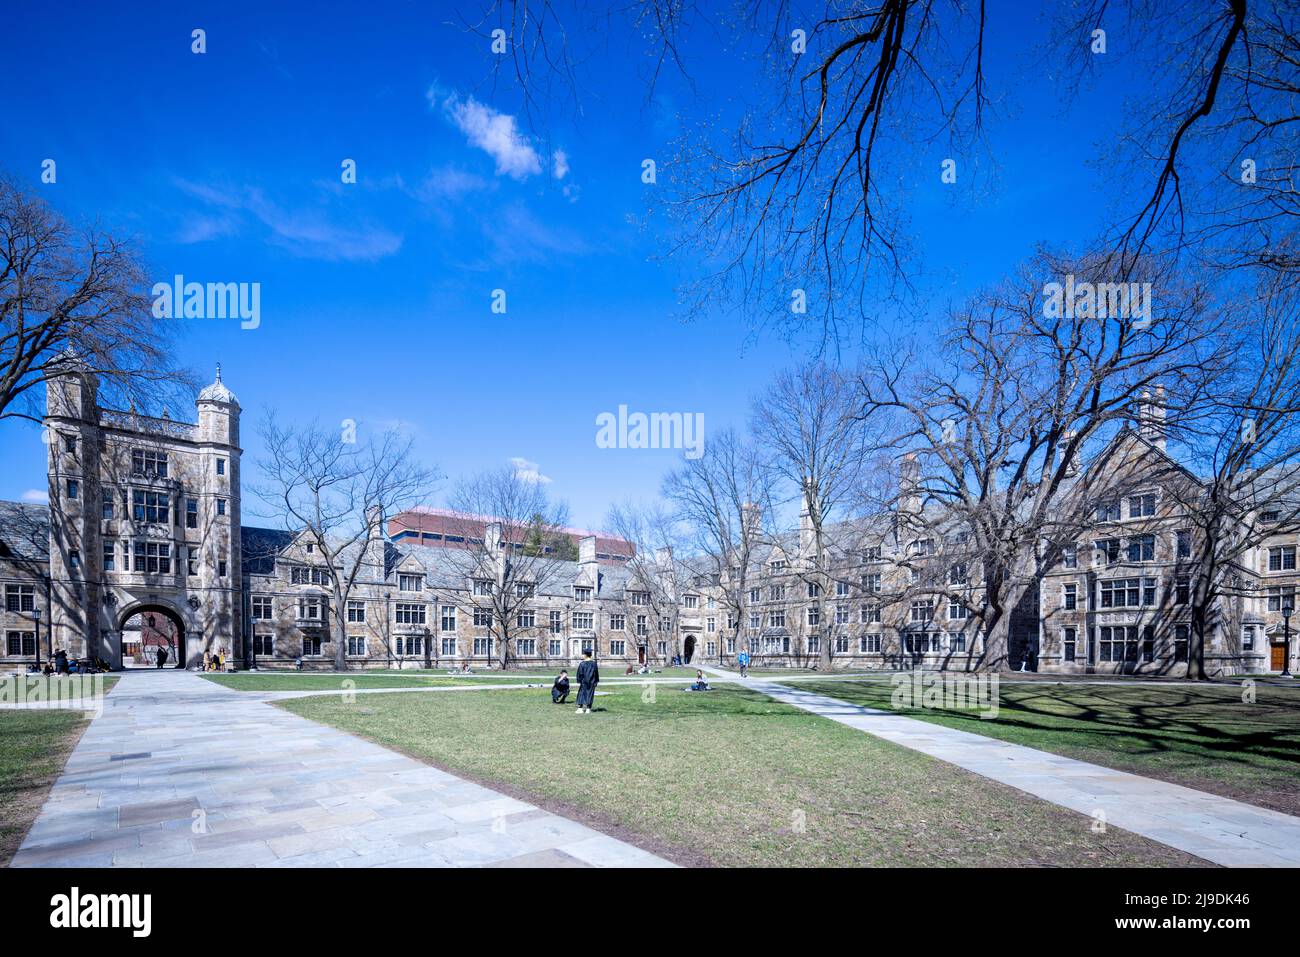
560,690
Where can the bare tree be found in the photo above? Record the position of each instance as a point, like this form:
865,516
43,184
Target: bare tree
337,496
801,189
1243,450
1017,396
819,448
722,498
507,574
69,295
658,576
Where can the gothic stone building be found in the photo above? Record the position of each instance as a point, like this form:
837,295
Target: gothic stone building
141,547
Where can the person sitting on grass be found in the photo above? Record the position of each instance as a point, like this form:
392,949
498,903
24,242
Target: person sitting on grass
700,683
588,678
560,690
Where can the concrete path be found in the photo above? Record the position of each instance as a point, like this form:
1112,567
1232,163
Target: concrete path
180,772
1217,829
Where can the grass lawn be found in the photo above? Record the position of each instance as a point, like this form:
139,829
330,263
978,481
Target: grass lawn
734,778
34,746
1202,737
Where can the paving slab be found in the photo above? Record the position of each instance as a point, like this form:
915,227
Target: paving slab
181,772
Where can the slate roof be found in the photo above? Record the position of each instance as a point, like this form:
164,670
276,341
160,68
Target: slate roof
24,531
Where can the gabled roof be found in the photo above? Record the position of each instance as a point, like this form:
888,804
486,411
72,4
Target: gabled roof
24,532
260,548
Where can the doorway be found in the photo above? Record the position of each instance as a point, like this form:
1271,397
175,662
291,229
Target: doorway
688,646
1277,660
148,632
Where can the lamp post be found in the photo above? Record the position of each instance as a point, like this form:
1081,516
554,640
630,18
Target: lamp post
1286,639
36,617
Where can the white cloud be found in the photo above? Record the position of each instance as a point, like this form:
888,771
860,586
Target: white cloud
36,496
447,182
308,233
495,133
517,236
559,164
527,471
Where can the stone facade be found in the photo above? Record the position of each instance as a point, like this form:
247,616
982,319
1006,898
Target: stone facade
144,521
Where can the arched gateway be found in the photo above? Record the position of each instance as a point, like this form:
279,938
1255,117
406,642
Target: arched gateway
148,629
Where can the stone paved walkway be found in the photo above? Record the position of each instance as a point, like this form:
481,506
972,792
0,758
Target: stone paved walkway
180,772
1214,828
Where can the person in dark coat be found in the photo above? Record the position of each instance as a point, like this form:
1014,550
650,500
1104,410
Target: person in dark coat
560,690
61,662
588,678
162,657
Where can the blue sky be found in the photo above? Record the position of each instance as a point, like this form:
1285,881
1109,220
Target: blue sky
376,296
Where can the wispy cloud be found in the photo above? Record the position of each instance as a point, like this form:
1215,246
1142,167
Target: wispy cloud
516,236
527,471
448,182
304,232
492,131
559,164
200,229
40,497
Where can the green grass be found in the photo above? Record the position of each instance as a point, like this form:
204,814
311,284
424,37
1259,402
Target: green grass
34,747
733,778
1207,737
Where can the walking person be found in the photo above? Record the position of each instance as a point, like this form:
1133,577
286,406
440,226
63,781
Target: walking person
588,678
162,657
742,659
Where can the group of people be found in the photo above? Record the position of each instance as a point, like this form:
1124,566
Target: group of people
588,678
60,665
213,662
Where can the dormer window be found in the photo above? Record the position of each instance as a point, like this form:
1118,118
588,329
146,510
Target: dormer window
1142,506
581,593
1108,511
410,582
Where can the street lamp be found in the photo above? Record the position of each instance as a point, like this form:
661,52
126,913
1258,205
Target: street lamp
1286,639
36,616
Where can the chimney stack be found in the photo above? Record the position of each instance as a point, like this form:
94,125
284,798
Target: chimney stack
1151,417
587,550
1072,463
909,485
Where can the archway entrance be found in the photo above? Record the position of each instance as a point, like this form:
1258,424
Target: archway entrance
688,646
151,631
